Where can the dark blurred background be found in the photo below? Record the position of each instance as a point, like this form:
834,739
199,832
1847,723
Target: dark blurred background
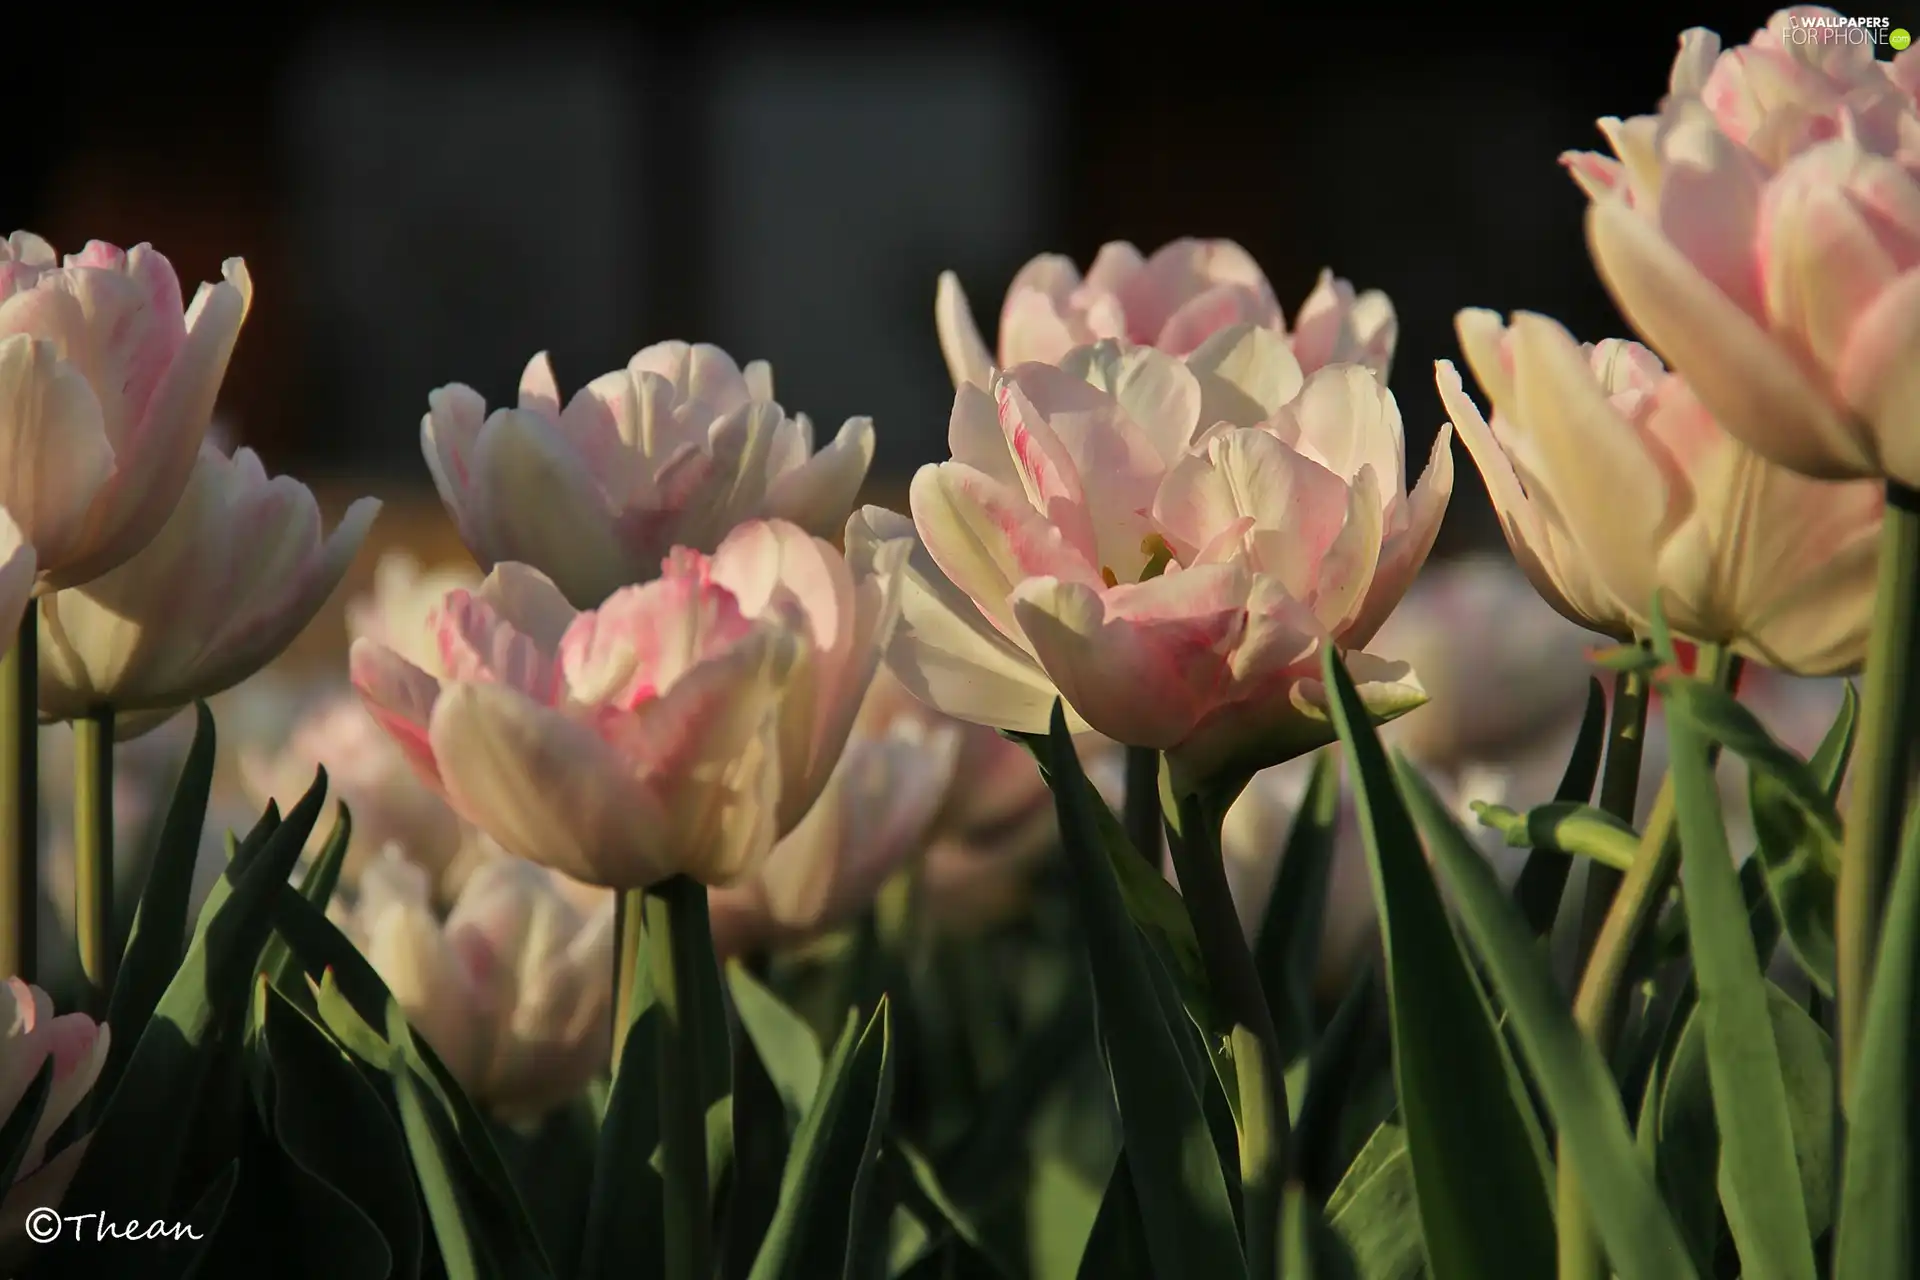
434,200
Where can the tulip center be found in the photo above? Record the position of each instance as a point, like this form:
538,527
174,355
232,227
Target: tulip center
1159,556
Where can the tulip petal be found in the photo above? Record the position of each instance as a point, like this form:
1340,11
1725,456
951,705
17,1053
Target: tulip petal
1247,374
816,494
945,651
1879,376
54,453
975,437
968,360
1732,364
17,566
547,788
1141,662
1158,392
1406,549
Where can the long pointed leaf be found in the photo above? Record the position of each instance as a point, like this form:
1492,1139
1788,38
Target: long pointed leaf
1880,1193
1286,949
1484,1204
1761,1189
1543,880
1186,1212
625,1213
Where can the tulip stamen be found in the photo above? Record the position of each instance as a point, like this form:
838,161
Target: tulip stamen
1159,556
1108,576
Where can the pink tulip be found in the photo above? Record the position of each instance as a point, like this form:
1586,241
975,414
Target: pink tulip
237,572
107,385
680,728
30,1036
877,811
513,989
1763,233
1185,293
1089,541
672,451
1613,481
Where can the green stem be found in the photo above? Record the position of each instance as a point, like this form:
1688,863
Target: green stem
1235,984
1597,1004
1142,812
679,939
93,853
20,801
1619,795
1889,722
629,937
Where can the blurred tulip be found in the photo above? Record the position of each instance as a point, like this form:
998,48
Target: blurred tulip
1763,233
681,728
398,611
672,451
16,579
1185,293
1613,481
366,772
237,573
876,812
1088,540
513,990
1498,665
30,1036
107,386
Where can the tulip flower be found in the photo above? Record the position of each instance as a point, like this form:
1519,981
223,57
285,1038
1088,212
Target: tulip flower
17,574
680,728
1763,233
1613,480
513,990
878,808
237,572
107,384
1497,664
1088,540
1175,300
30,1036
672,451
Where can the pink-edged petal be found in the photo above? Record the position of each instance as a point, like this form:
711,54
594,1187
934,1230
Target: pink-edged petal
400,697
817,494
1141,662
974,436
1879,376
1406,549
986,539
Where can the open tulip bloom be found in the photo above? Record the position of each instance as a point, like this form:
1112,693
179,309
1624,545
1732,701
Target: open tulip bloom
1167,544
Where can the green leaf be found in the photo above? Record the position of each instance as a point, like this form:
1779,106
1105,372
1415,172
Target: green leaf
1286,949
1376,1211
1574,1081
822,1197
1309,1249
920,1182
462,1240
1118,1247
625,1213
1182,1191
783,1040
16,1135
1829,763
1630,658
1659,635
1720,717
411,1064
1761,1194
1543,880
361,1216
136,1150
1572,830
317,887
204,1219
1802,884
1688,1152
1477,1158
159,937
1332,1075
1879,1194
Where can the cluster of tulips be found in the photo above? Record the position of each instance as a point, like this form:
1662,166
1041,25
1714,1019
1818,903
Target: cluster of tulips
1129,862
